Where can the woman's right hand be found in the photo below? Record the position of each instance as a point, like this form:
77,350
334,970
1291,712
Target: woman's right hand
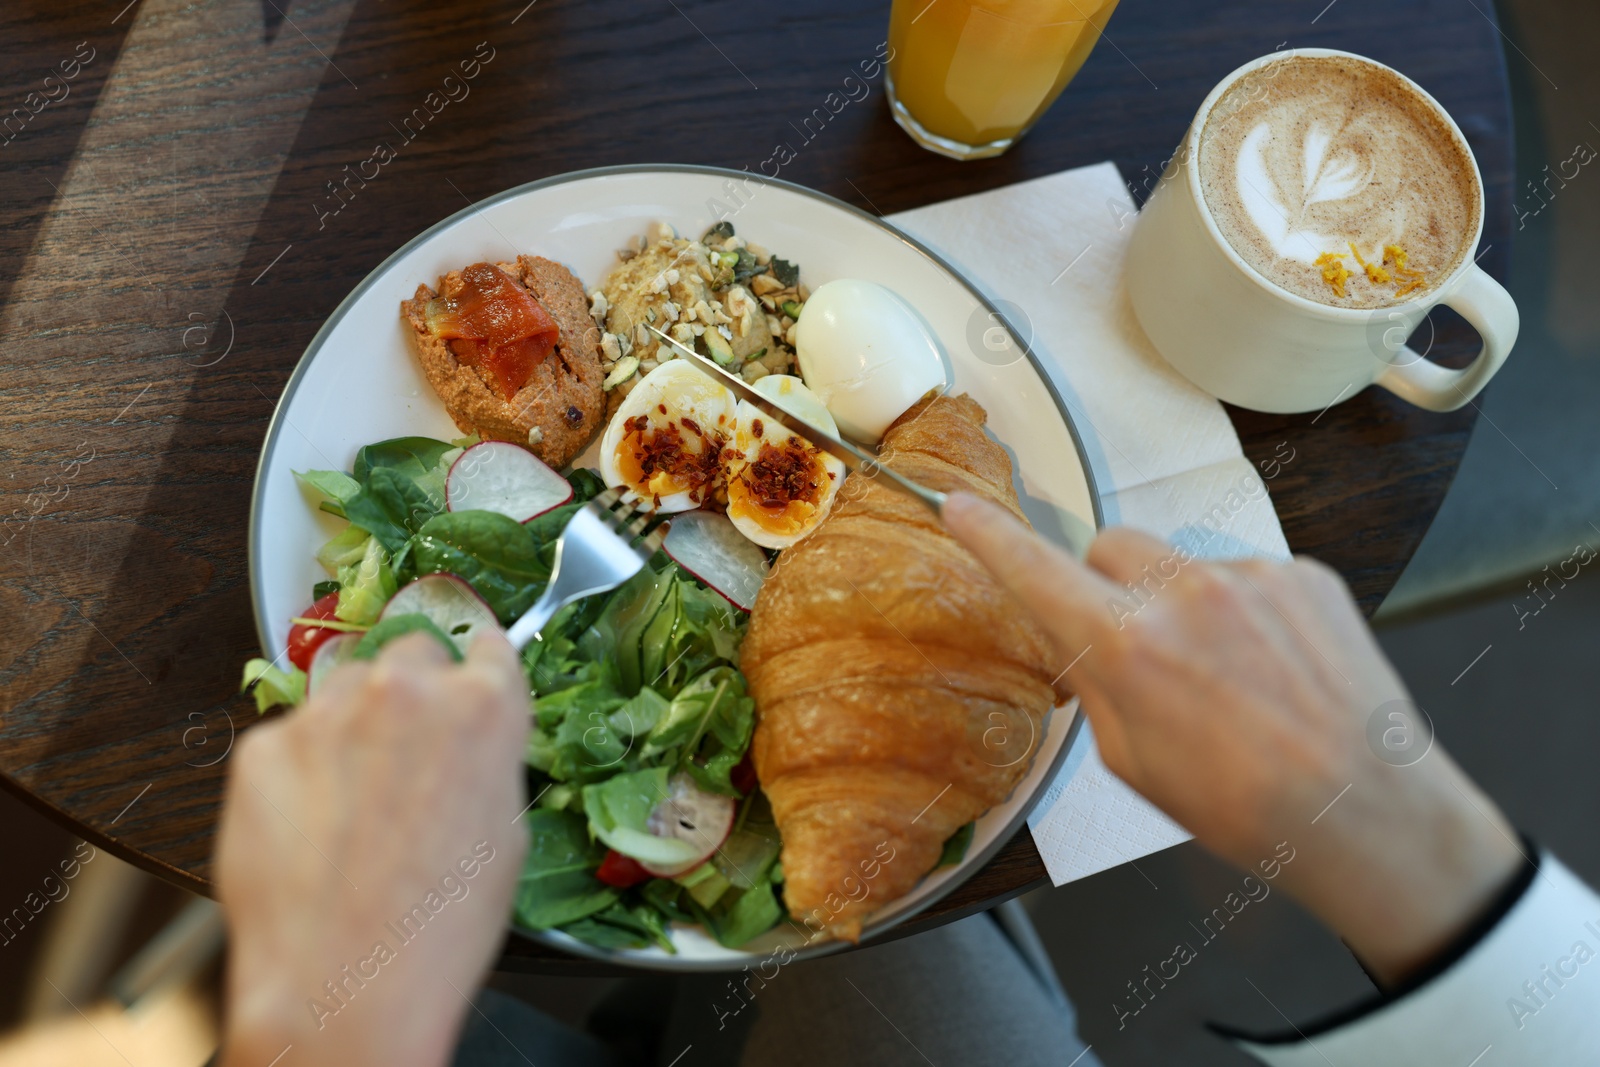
1236,697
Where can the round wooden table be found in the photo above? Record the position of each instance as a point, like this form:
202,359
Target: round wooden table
183,220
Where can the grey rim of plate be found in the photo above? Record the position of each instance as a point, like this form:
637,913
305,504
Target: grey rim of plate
973,862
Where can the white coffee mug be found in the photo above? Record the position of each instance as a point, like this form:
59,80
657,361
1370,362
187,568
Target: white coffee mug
1238,336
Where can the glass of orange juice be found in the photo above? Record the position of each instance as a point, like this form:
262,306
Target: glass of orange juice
968,77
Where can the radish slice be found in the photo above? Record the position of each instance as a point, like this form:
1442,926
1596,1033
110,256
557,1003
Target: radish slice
710,547
451,604
693,816
506,478
332,652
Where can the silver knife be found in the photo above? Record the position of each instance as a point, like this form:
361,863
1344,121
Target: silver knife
852,457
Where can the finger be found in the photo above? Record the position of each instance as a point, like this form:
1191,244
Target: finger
1126,555
414,650
1065,596
493,655
338,686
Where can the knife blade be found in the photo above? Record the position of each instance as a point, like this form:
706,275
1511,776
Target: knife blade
851,456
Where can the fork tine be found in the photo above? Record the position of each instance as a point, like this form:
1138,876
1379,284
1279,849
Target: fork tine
628,515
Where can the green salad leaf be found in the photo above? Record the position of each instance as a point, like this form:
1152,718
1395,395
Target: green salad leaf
273,685
618,809
414,457
498,556
740,915
622,926
391,507
630,687
334,487
365,584
709,724
558,883
397,626
955,848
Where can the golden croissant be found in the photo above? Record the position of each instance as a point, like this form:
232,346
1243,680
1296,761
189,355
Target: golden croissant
899,689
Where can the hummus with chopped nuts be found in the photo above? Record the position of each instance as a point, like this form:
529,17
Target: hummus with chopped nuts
727,299
558,409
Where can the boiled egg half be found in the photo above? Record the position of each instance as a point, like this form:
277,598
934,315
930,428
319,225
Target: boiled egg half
866,355
665,441
780,486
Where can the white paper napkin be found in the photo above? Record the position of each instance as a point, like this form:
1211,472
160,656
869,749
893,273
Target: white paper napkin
1164,454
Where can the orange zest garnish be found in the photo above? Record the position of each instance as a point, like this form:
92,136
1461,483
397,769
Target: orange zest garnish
1375,273
1334,272
1407,278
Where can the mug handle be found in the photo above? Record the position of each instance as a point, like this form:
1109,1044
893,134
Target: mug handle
1484,303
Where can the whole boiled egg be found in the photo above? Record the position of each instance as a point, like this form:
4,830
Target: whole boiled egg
866,355
780,486
666,439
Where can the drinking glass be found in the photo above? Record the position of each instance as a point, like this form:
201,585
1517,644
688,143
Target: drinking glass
968,77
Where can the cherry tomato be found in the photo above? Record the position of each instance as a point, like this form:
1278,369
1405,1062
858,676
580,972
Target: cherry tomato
621,871
743,776
305,640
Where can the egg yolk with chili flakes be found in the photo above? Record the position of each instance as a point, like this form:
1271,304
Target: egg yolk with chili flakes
667,438
493,323
781,486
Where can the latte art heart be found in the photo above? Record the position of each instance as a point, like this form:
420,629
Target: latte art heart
1316,156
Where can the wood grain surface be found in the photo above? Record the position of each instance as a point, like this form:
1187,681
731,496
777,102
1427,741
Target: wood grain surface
174,240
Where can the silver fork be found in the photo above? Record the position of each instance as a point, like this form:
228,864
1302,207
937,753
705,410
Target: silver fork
603,546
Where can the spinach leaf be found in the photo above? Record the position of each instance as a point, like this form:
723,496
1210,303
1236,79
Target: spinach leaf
621,926
742,914
558,884
955,849
586,484
665,895
495,554
322,589
396,626
411,456
391,506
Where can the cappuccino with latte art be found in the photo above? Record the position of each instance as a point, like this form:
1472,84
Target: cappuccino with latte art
1336,180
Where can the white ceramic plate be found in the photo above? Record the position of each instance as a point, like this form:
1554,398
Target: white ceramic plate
359,382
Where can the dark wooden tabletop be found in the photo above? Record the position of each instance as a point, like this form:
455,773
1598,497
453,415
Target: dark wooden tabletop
171,247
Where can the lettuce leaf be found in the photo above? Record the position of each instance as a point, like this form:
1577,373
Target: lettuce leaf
709,724
273,685
365,585
334,487
343,549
